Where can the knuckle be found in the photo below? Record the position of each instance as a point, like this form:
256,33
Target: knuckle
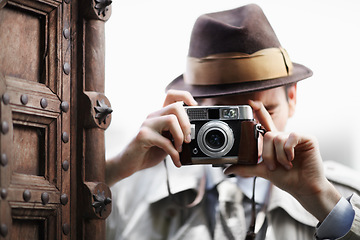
187,94
147,122
154,114
178,108
268,136
171,119
143,132
293,135
174,109
151,115
279,139
170,93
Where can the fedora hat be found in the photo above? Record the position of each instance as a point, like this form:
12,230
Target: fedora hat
236,51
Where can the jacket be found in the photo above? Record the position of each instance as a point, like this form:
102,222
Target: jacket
142,208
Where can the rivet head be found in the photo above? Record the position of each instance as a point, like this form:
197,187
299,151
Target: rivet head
43,103
66,68
65,165
45,198
66,228
3,230
4,127
64,106
64,199
66,33
6,98
3,159
65,137
24,99
27,195
3,193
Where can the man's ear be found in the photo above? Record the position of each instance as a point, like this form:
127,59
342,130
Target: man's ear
291,96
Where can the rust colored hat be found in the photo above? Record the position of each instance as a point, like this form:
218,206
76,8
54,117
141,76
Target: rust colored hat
236,51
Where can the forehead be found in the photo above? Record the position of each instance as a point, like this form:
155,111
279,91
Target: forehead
267,97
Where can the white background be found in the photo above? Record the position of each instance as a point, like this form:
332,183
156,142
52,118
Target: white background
147,43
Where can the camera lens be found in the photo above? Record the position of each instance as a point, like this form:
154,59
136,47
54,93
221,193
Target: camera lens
215,139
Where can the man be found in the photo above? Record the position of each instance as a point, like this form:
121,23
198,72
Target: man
234,58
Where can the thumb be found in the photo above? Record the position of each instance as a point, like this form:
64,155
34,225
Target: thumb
258,170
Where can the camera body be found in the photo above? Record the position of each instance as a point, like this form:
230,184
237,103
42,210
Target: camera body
221,135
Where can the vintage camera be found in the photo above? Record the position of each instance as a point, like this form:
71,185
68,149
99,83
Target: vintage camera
221,135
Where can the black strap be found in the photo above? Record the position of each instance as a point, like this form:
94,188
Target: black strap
251,231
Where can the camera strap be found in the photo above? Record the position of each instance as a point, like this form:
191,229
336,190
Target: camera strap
199,196
259,129
251,233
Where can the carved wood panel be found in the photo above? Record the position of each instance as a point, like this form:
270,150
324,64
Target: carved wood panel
53,114
36,142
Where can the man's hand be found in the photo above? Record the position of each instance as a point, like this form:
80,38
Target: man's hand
150,146
293,163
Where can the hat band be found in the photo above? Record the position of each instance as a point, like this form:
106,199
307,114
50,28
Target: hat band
228,68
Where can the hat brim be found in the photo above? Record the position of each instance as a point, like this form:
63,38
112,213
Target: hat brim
300,72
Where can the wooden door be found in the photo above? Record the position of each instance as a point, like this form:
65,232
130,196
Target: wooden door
52,119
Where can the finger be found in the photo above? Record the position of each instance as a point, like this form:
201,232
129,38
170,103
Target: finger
177,110
300,142
170,123
167,123
150,138
183,119
263,115
166,145
289,147
269,154
173,96
281,154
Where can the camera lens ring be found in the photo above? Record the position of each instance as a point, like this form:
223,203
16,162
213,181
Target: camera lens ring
227,134
215,139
